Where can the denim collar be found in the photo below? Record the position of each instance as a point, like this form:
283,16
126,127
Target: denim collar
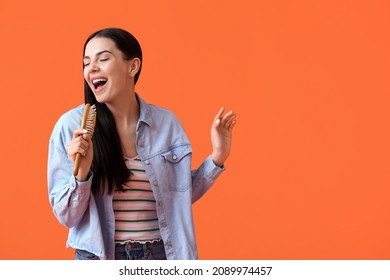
145,114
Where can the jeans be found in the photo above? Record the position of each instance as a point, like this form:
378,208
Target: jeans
130,251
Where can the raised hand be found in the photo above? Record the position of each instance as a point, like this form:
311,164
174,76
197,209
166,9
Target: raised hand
221,136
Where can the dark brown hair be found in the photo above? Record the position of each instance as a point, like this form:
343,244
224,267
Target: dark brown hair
108,165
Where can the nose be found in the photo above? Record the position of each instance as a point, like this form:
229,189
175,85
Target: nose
93,67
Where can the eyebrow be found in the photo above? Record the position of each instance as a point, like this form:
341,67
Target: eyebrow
99,53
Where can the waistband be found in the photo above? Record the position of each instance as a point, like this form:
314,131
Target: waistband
134,244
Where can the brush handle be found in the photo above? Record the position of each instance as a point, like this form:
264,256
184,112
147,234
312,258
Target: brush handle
83,126
77,164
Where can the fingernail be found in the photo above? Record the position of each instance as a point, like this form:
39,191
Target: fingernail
217,121
85,131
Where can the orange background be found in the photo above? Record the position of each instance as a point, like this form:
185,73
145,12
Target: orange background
308,177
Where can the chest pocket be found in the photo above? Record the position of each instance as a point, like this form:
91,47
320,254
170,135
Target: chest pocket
177,168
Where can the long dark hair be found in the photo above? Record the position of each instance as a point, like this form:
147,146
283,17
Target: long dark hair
108,165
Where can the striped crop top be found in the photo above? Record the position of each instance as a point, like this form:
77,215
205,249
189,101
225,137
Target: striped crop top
135,208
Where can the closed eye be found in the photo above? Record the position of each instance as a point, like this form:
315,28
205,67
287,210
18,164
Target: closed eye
86,62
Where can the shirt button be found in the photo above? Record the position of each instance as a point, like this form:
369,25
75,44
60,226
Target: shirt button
147,162
141,144
174,157
155,182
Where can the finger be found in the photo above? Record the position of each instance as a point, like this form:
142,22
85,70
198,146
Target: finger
230,120
232,124
77,150
87,137
217,118
81,151
79,141
79,132
226,120
228,114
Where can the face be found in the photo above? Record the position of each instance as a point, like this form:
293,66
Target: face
106,71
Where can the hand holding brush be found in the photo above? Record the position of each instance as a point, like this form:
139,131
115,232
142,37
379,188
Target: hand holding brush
81,144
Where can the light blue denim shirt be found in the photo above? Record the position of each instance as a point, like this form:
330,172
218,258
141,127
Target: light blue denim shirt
165,152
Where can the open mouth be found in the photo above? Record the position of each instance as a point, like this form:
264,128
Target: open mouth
99,83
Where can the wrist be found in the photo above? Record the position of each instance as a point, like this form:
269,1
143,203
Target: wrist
217,160
82,177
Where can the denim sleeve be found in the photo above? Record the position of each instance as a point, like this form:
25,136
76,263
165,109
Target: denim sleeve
68,197
204,177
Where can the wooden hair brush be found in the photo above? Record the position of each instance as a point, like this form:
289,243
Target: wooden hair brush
88,122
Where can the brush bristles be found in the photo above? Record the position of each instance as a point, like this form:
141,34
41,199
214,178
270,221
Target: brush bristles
91,120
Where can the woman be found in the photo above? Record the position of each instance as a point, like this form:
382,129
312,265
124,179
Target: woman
132,197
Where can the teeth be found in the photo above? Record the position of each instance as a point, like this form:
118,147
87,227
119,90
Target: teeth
98,81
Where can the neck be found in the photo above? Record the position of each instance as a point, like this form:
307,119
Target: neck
126,110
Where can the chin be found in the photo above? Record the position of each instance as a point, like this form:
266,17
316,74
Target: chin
100,98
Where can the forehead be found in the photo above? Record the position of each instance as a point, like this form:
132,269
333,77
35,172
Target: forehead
99,44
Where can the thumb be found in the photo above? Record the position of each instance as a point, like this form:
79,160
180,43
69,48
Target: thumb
217,119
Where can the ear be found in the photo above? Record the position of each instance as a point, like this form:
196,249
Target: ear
135,65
